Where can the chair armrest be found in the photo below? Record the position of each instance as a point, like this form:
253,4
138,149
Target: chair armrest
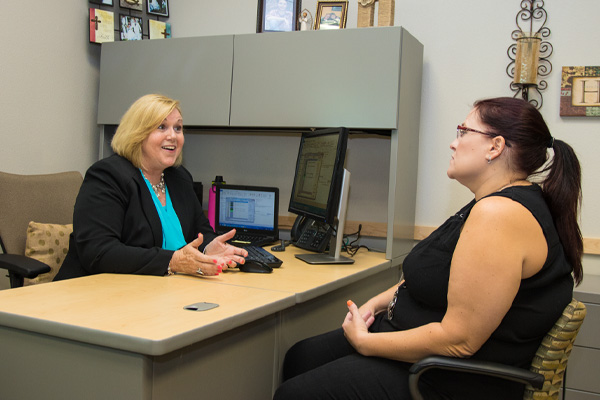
26,267
471,366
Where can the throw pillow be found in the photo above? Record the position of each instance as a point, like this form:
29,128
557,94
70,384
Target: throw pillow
48,243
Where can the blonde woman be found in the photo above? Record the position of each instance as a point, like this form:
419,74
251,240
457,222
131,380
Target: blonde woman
137,213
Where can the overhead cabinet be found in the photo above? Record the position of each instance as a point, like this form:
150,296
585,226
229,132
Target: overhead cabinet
276,80
196,71
318,79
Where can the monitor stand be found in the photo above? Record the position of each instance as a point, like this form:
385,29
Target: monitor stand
335,246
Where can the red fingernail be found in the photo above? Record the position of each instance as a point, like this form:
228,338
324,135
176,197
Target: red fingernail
349,302
215,261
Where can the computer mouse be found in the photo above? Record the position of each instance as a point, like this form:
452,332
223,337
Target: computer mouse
255,266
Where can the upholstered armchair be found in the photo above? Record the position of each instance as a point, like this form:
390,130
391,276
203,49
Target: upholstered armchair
35,223
545,376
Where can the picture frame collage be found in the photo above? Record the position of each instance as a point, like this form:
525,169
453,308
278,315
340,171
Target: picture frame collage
284,15
137,20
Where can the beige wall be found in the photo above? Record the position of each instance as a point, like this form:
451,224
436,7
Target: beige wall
49,87
465,59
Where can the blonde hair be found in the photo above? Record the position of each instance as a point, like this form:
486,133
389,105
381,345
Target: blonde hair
138,122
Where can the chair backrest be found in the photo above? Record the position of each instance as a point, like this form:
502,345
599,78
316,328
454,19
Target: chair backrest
48,198
551,358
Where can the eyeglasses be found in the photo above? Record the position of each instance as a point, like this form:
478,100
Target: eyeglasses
463,130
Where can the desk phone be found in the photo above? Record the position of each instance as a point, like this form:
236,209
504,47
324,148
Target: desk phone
311,235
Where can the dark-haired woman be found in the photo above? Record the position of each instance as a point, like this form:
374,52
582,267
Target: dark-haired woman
487,284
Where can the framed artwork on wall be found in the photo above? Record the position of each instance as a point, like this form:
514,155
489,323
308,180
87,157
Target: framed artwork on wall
101,26
277,15
131,4
159,29
130,27
580,92
104,2
331,14
158,7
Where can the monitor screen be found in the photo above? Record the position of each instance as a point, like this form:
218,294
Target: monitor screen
319,174
247,207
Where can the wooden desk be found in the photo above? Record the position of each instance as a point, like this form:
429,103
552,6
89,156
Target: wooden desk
321,292
128,337
308,281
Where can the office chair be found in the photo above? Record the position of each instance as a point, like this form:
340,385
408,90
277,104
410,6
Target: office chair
46,199
545,376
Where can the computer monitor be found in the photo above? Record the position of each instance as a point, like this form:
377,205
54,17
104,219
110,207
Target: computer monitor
319,195
319,174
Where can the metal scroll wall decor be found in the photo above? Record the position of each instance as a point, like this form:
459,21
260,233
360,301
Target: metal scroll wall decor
366,13
529,54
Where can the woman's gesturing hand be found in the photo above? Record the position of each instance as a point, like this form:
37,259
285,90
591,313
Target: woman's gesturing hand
220,248
189,260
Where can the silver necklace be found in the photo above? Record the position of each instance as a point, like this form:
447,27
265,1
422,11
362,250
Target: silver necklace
160,186
511,183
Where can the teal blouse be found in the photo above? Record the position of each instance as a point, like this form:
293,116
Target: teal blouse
171,227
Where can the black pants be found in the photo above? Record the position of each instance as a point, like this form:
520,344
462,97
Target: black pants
328,367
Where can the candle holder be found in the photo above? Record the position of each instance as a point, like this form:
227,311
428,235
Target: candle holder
529,54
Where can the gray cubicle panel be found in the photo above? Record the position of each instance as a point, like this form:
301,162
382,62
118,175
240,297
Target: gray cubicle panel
317,79
404,153
364,79
584,363
196,71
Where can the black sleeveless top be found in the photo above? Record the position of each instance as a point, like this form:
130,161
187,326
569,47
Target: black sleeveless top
540,300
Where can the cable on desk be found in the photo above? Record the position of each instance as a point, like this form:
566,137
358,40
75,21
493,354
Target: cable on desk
350,246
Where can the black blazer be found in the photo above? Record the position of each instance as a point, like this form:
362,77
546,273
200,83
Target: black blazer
116,228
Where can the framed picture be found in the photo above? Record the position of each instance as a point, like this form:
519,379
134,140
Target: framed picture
331,14
131,4
159,29
158,7
580,92
131,27
102,26
104,2
277,15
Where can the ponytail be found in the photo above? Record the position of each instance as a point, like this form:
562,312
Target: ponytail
562,192
521,124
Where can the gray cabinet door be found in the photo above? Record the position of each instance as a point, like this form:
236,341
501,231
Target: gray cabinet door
196,71
348,77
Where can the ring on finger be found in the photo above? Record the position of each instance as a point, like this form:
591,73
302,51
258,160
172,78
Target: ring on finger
200,272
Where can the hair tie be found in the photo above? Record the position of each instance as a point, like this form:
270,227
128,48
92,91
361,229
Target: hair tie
551,143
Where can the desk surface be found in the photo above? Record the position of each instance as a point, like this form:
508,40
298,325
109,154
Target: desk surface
145,314
306,281
142,314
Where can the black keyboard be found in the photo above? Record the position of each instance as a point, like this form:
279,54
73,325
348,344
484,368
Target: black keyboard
249,240
259,254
